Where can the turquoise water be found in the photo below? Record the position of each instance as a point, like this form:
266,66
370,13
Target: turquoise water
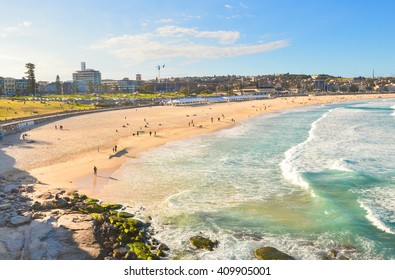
304,181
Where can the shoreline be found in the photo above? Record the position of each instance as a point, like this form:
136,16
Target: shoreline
88,141
50,185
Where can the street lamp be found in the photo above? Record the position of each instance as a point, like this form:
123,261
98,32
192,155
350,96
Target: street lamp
158,67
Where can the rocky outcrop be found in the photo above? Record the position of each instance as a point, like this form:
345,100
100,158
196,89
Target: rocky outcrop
271,253
339,252
59,226
201,242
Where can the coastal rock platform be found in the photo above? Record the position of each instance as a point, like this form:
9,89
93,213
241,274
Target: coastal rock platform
56,225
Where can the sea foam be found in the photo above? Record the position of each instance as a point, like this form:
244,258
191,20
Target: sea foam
374,220
292,164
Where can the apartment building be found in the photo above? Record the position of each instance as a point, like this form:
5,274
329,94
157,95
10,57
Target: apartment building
87,79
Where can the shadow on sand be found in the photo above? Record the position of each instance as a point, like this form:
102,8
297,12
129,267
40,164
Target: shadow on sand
118,154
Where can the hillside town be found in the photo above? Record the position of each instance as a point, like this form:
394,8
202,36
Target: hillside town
89,81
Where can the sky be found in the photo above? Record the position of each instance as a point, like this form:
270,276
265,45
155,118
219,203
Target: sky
122,38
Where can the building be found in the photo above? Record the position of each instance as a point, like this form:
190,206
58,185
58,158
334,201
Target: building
266,90
113,86
9,86
68,87
21,86
42,86
87,79
1,85
126,85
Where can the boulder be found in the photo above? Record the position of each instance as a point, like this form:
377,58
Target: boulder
10,188
123,214
120,252
141,250
271,253
203,243
60,203
91,201
5,206
46,195
163,247
46,204
111,206
91,208
20,220
3,222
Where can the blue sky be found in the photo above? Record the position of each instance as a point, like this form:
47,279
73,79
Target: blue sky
196,38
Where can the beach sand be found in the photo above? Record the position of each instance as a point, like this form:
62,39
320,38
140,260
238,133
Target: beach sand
65,157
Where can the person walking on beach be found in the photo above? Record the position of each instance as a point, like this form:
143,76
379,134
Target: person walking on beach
94,170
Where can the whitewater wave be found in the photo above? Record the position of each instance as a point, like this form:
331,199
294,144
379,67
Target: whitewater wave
291,172
291,166
374,220
393,108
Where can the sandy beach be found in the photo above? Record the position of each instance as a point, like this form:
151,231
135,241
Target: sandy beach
65,157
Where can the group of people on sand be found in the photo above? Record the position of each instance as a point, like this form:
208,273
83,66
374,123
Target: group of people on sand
191,123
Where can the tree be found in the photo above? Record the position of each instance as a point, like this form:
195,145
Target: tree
147,88
105,88
91,88
31,83
58,85
75,87
354,88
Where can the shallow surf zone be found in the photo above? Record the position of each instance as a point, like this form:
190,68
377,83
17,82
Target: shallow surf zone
233,185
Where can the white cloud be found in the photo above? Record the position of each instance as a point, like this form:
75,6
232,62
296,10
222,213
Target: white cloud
20,27
175,42
191,17
224,37
228,6
233,17
164,20
26,23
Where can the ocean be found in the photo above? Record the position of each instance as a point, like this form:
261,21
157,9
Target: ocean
313,182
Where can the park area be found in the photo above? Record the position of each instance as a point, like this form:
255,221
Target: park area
16,109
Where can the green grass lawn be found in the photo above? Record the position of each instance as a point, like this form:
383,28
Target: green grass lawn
18,107
14,109
118,95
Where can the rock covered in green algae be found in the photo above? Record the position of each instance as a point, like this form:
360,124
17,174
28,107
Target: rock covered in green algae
201,242
111,206
142,251
91,201
118,230
271,253
131,233
123,214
